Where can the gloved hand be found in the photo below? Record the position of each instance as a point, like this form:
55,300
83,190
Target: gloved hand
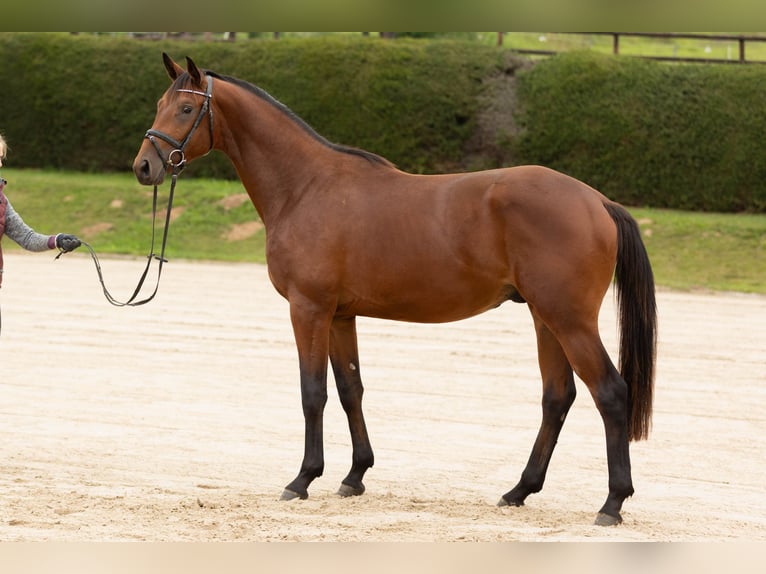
67,242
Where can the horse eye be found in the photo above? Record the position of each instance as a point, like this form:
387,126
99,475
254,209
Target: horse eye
187,109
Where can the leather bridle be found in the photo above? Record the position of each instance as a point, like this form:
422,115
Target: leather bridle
179,147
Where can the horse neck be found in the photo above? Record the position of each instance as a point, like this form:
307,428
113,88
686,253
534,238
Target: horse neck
274,156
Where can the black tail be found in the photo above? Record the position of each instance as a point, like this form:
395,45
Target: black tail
638,320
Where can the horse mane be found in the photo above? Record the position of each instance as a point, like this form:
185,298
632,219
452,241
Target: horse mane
264,95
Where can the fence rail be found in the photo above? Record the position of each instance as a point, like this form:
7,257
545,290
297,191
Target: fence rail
741,40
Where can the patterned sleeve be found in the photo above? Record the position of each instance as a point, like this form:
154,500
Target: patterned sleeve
21,233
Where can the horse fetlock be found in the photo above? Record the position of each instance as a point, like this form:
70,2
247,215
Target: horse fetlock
298,488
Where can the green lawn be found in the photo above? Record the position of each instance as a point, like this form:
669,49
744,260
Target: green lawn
725,252
214,220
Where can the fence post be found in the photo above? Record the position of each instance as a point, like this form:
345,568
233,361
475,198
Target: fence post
741,50
615,43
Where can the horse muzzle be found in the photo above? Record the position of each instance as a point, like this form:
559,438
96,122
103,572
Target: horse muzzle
148,168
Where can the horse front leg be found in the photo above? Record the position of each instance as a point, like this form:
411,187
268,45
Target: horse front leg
344,357
312,335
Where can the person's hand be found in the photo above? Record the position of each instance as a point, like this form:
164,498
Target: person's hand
67,242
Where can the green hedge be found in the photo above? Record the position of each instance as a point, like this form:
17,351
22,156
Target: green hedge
648,133
645,133
85,102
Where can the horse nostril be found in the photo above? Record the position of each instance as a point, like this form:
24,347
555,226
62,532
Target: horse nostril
142,170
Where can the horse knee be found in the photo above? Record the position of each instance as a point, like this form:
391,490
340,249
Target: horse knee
314,399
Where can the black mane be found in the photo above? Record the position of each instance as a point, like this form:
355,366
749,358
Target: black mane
264,95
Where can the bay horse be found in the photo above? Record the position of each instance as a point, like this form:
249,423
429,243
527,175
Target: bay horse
348,234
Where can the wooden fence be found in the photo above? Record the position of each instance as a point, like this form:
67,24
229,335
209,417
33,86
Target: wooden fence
741,40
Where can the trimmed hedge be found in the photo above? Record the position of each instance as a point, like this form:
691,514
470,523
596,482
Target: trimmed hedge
650,134
644,133
85,102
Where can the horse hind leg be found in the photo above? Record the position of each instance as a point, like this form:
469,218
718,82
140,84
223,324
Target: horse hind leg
558,395
610,393
344,358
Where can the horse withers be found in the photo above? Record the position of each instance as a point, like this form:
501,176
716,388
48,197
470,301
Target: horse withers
348,234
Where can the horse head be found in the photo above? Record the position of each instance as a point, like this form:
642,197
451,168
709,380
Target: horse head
174,139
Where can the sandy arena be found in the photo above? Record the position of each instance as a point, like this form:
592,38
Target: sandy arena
181,420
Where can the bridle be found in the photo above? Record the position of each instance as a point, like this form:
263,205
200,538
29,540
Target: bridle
177,168
179,147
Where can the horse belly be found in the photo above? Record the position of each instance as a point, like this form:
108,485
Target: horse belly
431,299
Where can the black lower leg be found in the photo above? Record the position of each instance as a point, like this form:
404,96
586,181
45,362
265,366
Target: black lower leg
344,358
314,398
555,408
611,400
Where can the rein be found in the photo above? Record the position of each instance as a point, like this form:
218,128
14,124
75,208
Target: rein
131,302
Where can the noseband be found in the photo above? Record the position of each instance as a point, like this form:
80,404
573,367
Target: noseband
179,147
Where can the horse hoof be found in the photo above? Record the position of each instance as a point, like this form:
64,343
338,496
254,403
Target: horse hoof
290,495
347,490
603,519
504,502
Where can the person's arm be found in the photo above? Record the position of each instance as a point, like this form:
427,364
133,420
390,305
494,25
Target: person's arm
21,233
29,239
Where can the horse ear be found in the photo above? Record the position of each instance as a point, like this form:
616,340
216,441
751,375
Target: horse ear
193,70
174,70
